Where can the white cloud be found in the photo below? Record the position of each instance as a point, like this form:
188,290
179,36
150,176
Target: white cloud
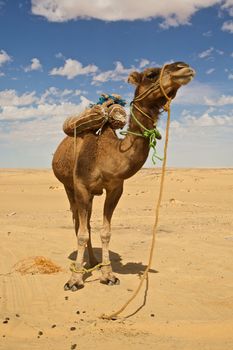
52,96
207,120
230,76
53,102
192,125
173,21
220,52
173,13
117,74
207,34
51,93
143,63
202,94
4,57
195,94
33,132
210,71
228,26
221,101
59,55
13,112
78,92
228,5
35,65
73,68
206,53
11,98
200,139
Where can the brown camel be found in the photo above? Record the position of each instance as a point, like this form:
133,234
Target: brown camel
105,161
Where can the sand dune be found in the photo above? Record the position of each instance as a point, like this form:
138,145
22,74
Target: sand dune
189,302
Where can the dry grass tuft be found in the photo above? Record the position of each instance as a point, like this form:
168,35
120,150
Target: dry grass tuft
36,265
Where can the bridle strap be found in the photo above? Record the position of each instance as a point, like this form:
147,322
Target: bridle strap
151,134
148,91
153,87
166,107
161,85
142,112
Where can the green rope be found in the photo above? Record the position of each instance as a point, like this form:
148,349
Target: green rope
152,134
83,270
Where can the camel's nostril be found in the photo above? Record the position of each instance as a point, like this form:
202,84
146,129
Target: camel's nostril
193,72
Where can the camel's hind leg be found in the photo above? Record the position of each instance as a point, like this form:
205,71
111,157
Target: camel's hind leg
73,207
83,202
112,198
70,195
92,259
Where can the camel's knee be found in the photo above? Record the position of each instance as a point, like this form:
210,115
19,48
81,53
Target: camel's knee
83,238
105,236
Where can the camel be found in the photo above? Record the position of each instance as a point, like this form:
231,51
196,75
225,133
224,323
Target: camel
105,161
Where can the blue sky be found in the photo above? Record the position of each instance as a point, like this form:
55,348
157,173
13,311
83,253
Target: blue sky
58,55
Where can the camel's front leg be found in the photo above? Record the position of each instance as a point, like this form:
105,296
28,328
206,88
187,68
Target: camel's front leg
83,202
112,198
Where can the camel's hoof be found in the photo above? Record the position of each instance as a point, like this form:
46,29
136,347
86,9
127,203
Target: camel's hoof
117,281
111,282
76,287
73,287
67,286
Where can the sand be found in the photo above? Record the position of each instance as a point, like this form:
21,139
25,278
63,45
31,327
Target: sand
189,302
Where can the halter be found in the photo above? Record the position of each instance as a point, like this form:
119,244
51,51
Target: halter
151,134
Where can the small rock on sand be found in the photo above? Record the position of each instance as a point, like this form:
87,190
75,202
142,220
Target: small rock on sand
11,214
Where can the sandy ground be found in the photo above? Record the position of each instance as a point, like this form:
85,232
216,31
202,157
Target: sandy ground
190,297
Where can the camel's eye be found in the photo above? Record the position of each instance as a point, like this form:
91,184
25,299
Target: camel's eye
153,75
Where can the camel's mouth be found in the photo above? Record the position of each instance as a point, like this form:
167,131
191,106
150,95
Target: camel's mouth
183,76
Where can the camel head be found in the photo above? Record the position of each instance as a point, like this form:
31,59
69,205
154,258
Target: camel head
147,83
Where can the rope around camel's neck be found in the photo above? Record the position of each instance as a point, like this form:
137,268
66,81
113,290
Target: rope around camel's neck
151,134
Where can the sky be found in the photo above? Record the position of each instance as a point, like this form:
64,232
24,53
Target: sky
57,56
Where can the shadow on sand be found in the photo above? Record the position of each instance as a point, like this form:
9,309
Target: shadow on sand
116,260
128,268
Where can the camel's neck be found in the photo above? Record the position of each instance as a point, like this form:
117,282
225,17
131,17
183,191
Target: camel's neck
135,148
147,121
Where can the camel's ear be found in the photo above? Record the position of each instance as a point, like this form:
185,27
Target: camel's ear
135,78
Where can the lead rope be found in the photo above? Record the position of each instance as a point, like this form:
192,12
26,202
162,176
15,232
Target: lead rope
157,208
151,134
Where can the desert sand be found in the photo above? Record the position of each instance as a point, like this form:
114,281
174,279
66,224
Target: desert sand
189,302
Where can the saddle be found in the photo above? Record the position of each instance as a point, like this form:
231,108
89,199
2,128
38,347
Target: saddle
108,110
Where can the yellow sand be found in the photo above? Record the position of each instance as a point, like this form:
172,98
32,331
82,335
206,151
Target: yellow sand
189,304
